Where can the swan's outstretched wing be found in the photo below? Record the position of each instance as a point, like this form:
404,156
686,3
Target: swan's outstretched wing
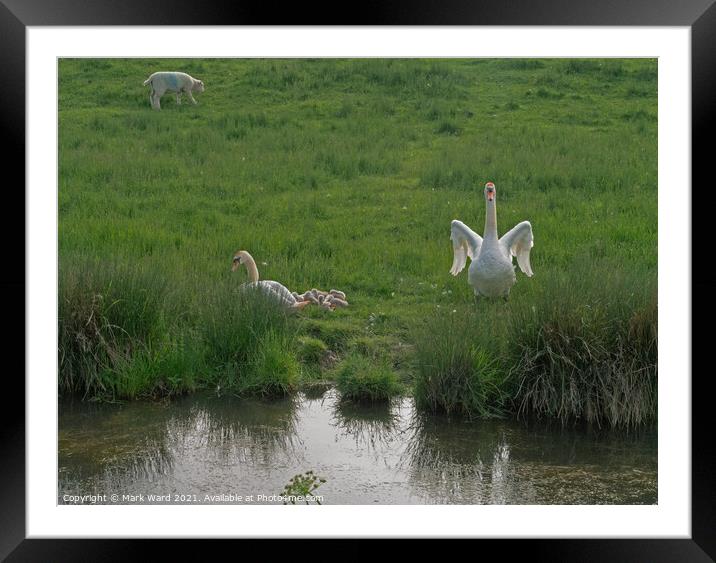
465,242
518,242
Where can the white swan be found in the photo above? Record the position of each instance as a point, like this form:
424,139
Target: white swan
491,271
269,287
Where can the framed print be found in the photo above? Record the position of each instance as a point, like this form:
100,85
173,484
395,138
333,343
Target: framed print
258,275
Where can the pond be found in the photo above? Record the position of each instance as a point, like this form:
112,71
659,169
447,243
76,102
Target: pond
210,449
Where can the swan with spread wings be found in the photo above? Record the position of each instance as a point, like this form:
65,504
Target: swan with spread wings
491,272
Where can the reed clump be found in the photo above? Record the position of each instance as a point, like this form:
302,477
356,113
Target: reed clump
589,356
580,345
455,368
108,315
361,379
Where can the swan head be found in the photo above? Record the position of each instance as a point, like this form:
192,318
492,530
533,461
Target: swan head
240,257
490,191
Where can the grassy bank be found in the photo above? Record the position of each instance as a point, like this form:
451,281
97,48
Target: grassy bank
346,174
581,345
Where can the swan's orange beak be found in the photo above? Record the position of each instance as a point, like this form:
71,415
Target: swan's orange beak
235,265
490,191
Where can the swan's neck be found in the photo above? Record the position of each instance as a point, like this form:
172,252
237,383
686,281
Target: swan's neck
491,220
251,268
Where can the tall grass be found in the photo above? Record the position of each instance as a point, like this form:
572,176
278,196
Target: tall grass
592,358
126,332
273,369
456,369
581,345
109,314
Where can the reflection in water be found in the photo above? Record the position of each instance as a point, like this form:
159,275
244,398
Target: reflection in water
370,425
316,391
208,445
120,445
452,470
263,430
167,447
509,462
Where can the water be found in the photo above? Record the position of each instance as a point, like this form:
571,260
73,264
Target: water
203,448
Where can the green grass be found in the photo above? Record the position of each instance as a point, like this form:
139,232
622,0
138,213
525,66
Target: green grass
456,372
359,379
571,347
124,332
274,370
312,350
339,173
593,359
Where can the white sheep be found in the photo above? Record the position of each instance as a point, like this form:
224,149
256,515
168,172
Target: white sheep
176,82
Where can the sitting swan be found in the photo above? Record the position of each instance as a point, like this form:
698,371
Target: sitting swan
491,272
269,287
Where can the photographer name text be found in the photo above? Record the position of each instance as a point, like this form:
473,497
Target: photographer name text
143,498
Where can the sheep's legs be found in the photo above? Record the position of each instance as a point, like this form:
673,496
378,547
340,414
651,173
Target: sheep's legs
157,96
178,98
191,98
154,99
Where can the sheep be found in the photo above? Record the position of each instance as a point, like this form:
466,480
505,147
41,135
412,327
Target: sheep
176,82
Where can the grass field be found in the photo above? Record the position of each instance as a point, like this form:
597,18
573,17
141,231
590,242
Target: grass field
346,174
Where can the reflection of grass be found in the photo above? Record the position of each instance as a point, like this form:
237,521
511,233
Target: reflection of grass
447,455
345,173
503,461
374,423
141,439
262,427
438,441
86,452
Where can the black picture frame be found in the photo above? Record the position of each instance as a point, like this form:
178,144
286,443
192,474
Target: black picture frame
17,15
